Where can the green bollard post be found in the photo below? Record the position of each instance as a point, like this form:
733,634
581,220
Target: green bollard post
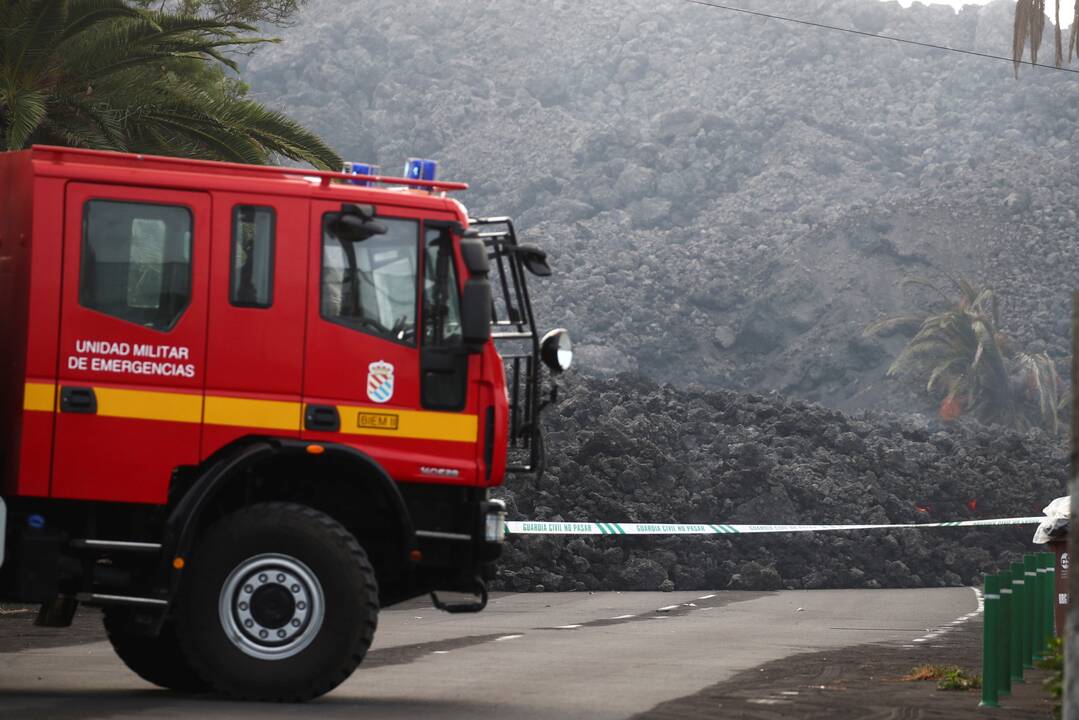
1050,594
1039,618
1016,644
990,626
1025,625
1032,624
1004,683
1038,643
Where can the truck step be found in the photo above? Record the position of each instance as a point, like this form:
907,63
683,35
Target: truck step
438,535
118,545
103,599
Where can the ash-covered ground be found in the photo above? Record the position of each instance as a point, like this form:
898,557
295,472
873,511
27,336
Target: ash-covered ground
626,449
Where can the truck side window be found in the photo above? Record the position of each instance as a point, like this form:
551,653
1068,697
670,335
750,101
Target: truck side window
443,367
441,301
370,285
136,261
252,256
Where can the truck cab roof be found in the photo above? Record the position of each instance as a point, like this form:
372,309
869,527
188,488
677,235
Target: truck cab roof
186,173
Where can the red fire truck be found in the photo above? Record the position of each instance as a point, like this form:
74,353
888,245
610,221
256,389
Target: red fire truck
242,408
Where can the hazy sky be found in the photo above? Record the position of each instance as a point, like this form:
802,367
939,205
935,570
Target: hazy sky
1066,7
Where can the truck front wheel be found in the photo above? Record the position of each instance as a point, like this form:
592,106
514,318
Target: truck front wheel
279,603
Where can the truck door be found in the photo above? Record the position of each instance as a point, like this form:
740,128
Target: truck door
254,357
132,341
362,372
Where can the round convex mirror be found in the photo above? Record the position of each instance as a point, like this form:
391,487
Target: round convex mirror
556,350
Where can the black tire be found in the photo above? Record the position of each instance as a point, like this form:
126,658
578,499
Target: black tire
156,660
317,558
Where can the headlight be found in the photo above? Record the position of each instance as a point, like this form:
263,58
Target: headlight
556,350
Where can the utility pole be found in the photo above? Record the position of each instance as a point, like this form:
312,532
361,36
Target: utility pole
1071,634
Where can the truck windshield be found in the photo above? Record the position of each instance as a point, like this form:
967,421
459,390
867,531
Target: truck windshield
370,285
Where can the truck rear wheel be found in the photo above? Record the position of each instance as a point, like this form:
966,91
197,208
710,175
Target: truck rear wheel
279,603
156,660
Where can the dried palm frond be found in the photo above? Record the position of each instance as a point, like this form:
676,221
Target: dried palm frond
888,326
1073,47
1029,24
968,359
1059,54
922,282
1041,389
945,371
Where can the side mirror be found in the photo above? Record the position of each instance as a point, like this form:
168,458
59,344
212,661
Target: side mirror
476,311
534,259
556,350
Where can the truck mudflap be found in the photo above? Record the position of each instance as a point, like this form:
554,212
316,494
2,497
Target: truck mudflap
3,529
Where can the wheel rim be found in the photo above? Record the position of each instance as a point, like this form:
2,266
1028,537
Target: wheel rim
271,606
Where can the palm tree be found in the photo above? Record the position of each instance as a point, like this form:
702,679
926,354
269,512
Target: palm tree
1029,25
962,355
103,74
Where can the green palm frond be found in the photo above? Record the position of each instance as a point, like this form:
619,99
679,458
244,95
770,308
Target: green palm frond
84,14
32,32
96,122
108,74
280,135
23,112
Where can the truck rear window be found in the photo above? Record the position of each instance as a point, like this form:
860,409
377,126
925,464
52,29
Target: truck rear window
136,261
251,281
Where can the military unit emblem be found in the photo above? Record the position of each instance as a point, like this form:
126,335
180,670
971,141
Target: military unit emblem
380,381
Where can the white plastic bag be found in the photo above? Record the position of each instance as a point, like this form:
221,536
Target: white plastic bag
1055,524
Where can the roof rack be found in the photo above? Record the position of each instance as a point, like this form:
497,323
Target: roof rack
324,176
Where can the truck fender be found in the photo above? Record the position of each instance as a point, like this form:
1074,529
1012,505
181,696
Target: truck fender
183,522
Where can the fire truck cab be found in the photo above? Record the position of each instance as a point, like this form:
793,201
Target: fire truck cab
242,408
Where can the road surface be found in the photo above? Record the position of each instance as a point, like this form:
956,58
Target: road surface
538,655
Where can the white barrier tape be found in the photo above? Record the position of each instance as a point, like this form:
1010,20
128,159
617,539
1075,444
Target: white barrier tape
529,527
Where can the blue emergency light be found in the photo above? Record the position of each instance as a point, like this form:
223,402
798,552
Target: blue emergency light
356,168
420,169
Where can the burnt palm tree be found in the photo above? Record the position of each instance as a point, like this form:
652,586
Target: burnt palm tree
108,75
967,362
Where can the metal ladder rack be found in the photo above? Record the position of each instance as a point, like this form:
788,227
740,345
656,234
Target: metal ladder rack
513,326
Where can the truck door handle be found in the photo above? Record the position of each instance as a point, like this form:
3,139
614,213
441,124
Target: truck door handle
322,417
78,400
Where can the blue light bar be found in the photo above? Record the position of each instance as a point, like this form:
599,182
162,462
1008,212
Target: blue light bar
357,168
420,169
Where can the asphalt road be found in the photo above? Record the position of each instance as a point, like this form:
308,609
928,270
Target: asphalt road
544,655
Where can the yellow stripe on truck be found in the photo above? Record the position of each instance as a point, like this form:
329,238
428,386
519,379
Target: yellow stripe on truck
263,414
149,405
244,412
39,396
421,425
